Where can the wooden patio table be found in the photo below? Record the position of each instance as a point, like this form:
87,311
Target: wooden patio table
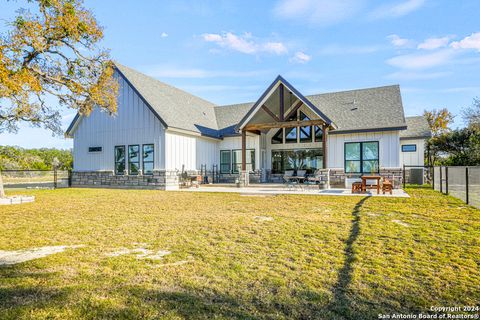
372,186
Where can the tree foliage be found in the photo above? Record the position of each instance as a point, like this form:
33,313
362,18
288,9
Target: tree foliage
438,120
16,158
460,147
471,115
51,51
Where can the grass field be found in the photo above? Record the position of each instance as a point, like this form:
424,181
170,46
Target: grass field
244,257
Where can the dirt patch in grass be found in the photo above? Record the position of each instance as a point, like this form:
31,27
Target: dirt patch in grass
400,222
140,253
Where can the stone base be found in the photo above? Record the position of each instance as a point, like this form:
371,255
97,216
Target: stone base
16,200
160,180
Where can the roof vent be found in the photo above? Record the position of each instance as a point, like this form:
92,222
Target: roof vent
354,108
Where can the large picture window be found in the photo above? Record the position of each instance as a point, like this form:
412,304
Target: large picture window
119,160
237,160
225,161
148,155
361,157
301,159
133,159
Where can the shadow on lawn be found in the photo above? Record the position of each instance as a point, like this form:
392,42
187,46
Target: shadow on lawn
342,301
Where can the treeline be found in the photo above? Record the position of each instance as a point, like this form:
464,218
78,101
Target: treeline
17,158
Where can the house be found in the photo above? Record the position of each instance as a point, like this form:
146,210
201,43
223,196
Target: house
160,131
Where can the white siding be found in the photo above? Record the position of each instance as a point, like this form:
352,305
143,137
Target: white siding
134,123
189,151
389,145
235,143
413,158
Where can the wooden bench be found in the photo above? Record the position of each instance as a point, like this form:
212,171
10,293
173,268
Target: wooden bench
387,186
357,187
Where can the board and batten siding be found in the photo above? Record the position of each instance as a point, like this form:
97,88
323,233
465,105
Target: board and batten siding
235,143
134,123
388,143
189,151
416,158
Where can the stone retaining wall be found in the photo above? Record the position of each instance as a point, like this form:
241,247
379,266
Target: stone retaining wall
161,179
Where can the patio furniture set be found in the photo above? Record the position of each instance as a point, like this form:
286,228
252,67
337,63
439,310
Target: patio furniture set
303,181
372,182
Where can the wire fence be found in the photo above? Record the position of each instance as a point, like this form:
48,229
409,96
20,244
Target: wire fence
36,179
461,182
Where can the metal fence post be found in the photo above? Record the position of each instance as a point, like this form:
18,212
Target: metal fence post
466,185
403,177
441,180
446,181
55,177
69,177
433,177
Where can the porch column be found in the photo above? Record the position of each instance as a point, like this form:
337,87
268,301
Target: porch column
244,176
324,145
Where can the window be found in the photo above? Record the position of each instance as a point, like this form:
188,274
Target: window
278,137
409,148
148,159
301,159
318,133
133,159
361,157
120,160
291,135
305,132
237,160
225,161
94,149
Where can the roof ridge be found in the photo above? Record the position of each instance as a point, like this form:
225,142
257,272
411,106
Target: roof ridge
350,90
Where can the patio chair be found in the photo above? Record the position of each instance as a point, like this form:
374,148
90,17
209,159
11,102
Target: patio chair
288,182
357,187
387,186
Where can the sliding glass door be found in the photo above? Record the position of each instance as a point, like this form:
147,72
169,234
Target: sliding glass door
298,159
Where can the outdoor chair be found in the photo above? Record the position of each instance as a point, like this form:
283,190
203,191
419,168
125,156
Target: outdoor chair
387,186
288,182
357,187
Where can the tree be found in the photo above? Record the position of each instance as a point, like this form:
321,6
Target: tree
471,115
51,51
438,121
461,147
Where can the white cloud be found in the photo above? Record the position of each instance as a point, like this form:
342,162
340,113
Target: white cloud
300,57
422,61
397,10
320,12
164,35
335,49
245,43
470,42
408,75
434,43
397,41
167,71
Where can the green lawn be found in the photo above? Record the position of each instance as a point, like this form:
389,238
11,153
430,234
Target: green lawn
319,258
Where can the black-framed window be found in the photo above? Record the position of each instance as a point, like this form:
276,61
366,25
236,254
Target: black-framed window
94,149
298,159
119,155
225,161
133,159
362,157
409,148
318,133
291,135
305,132
148,156
278,137
237,160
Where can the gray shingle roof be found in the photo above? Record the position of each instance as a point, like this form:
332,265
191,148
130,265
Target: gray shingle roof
417,127
177,108
355,110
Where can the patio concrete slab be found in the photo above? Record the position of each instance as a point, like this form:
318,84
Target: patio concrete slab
256,190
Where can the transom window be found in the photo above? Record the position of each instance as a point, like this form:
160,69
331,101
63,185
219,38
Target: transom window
361,157
409,148
298,134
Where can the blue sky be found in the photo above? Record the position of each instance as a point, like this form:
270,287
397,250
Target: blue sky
228,52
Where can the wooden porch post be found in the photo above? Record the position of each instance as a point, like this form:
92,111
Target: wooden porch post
324,145
244,150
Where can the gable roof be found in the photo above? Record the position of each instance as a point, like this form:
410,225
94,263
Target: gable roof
278,81
417,127
371,109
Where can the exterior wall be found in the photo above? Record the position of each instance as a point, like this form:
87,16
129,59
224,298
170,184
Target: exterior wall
235,143
134,123
389,148
416,158
190,151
